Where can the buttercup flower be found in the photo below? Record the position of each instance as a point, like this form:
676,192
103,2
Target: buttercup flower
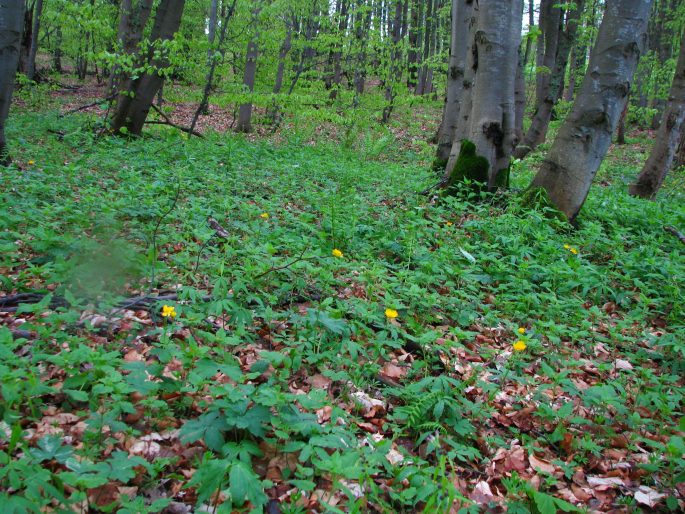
168,311
31,163
521,330
573,251
567,246
449,223
337,253
264,215
519,346
391,313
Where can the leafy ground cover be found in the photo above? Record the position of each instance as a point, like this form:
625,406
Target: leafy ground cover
330,341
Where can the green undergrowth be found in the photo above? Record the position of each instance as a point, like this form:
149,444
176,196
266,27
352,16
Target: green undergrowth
257,390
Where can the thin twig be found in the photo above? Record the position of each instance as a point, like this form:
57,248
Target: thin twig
277,268
84,107
167,121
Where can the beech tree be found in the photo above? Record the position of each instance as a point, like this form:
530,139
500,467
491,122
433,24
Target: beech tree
136,94
485,136
460,17
668,136
570,166
11,25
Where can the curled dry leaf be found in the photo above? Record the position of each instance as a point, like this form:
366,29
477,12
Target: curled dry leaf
648,496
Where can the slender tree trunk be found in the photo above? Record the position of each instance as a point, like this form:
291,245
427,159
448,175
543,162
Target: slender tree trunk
25,48
531,25
520,99
668,137
211,26
135,101
363,24
414,38
459,35
553,86
33,50
57,52
568,170
427,38
338,50
393,65
283,53
621,132
483,153
11,26
680,154
203,106
245,112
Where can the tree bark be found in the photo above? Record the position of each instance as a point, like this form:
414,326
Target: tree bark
568,170
132,21
11,26
489,126
427,38
459,35
668,137
393,65
135,101
33,49
552,86
245,112
363,22
57,51
414,38
211,26
621,132
338,50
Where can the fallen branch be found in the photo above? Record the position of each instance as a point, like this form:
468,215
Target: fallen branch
675,232
277,268
87,106
167,121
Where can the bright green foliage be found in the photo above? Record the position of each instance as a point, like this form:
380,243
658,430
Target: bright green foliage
266,308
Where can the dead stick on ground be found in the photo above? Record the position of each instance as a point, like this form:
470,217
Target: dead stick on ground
167,121
673,231
84,107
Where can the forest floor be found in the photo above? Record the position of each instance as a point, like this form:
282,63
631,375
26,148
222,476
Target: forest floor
282,324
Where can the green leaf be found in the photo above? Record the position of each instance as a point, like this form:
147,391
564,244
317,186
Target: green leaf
244,484
76,395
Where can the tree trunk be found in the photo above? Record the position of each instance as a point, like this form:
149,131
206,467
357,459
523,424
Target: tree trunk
519,99
33,50
414,38
245,112
135,101
132,22
338,50
11,26
427,38
363,22
484,143
621,132
283,53
560,46
393,65
531,25
211,27
668,137
459,42
567,172
57,52
25,47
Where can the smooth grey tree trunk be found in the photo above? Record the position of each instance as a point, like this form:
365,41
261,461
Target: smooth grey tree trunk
135,101
459,36
668,137
519,99
245,112
553,86
211,26
11,26
33,50
570,166
494,57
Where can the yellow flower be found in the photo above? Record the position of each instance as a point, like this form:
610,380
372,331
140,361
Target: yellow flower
449,223
521,330
573,251
31,163
168,311
264,215
519,346
391,313
337,253
567,246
